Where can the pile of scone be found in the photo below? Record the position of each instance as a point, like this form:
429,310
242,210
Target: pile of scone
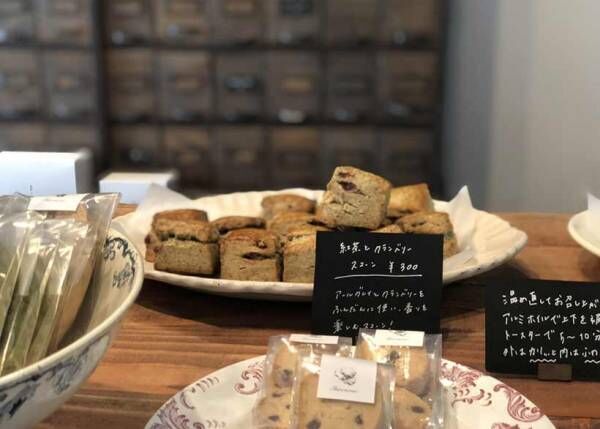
281,245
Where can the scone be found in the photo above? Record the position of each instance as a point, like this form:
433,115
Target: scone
410,411
390,229
410,199
355,198
180,215
151,239
282,223
411,363
152,244
282,203
250,254
230,223
187,247
432,223
315,413
299,256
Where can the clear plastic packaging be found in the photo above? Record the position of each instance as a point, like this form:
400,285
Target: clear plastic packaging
69,242
13,204
418,392
273,408
96,210
310,411
37,262
15,231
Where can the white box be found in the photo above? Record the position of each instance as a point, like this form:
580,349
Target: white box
133,186
46,173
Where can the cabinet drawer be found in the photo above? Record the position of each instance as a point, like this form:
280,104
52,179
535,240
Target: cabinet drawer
293,86
354,146
294,22
65,21
131,85
351,22
136,147
406,156
242,161
183,21
189,150
19,85
350,87
238,22
71,138
186,93
295,157
23,137
128,21
240,86
414,23
407,86
16,21
71,84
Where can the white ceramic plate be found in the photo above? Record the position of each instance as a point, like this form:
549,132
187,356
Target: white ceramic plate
495,242
224,400
580,232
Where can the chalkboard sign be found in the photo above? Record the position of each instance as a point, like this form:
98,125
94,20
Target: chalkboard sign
376,281
531,323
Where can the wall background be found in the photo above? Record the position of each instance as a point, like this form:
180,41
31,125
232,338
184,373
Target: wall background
522,124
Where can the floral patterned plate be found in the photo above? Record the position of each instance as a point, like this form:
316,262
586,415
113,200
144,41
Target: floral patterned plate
224,400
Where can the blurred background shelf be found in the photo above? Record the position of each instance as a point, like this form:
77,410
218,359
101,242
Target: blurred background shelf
235,94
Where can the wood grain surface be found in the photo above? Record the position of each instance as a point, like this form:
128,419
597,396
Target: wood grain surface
173,336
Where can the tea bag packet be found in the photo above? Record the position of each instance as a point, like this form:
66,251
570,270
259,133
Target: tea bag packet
416,357
333,392
95,210
37,262
273,408
15,231
53,296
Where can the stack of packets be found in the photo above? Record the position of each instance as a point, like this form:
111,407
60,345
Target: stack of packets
48,251
390,380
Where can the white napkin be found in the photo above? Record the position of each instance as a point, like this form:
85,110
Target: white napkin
592,220
464,219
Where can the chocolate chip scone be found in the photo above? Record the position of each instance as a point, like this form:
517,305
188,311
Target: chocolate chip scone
411,363
273,411
230,223
283,203
250,254
186,247
316,413
410,411
152,241
355,198
406,200
432,223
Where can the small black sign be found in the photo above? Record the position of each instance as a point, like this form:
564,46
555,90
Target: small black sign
376,281
529,323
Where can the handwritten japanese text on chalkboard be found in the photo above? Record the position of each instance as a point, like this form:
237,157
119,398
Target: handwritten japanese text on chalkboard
376,281
543,322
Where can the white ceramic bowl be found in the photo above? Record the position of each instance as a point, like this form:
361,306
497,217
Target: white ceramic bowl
33,393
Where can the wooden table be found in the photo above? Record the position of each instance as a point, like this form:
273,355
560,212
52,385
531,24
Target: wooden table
173,336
